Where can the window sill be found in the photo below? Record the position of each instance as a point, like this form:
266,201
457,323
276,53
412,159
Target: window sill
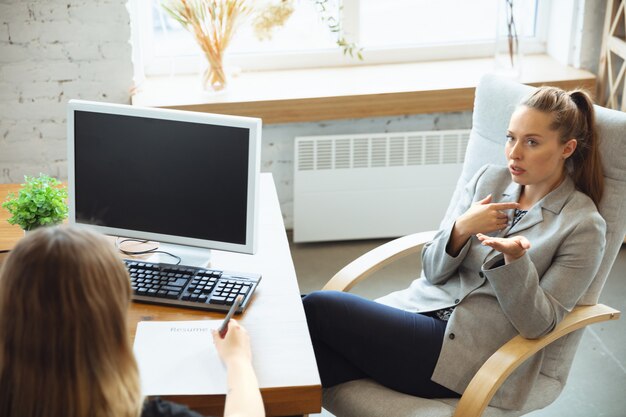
351,92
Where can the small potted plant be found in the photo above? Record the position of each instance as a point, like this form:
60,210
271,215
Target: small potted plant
40,202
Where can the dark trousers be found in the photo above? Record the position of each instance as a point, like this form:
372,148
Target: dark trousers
356,338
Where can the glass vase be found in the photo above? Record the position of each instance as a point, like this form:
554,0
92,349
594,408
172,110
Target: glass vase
214,76
508,57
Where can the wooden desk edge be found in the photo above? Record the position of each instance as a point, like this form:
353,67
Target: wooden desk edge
302,400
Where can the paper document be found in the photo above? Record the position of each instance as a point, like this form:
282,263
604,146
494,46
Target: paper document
179,358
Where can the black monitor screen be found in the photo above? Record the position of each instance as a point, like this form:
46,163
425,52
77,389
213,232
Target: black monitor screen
161,176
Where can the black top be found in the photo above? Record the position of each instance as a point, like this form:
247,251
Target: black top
517,216
156,407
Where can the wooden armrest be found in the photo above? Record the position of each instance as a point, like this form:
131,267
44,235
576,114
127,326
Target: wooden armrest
513,353
372,261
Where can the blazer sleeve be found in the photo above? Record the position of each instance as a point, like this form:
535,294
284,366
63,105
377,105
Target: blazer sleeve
437,265
535,305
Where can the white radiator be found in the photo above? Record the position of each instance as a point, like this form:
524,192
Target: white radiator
374,185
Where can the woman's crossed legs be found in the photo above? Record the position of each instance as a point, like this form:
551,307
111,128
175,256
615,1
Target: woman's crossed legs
356,338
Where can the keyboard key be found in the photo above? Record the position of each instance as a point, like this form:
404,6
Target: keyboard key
217,300
171,288
180,282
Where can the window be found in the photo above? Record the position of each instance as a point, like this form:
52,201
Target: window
422,22
388,31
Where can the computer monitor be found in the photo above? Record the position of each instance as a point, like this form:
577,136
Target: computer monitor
182,178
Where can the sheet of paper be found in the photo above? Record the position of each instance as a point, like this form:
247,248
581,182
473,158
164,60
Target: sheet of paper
179,358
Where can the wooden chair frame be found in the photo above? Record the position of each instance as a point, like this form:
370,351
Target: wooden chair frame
506,359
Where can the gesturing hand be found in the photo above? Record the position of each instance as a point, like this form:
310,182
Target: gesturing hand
484,217
511,247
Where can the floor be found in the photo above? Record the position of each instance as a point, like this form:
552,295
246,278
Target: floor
597,382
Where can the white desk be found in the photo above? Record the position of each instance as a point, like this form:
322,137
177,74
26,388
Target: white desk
282,353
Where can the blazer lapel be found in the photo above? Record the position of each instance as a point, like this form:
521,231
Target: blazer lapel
553,202
529,219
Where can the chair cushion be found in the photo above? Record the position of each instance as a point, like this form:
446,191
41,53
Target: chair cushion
366,398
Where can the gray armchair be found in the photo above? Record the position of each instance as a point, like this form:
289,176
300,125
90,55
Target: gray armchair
496,98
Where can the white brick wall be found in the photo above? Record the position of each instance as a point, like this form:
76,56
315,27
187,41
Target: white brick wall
51,52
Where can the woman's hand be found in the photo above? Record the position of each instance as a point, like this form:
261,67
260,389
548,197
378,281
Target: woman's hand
235,345
511,247
482,217
244,396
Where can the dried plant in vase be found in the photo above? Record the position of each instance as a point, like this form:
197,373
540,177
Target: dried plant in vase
271,15
213,23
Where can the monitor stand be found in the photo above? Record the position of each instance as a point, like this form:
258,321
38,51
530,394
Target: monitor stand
189,255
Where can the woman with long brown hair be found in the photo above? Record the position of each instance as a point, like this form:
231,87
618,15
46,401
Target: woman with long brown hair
64,346
514,256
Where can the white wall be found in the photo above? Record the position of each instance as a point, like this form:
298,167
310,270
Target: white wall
575,32
51,52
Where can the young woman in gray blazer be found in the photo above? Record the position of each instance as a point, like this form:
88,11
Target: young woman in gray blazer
514,257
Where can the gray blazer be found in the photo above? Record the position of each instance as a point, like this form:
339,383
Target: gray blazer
495,302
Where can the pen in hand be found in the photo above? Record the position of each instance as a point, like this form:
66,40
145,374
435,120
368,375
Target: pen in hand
224,326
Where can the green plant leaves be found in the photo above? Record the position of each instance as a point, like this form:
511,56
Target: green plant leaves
40,202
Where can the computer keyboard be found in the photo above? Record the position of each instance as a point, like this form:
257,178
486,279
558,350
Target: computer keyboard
189,286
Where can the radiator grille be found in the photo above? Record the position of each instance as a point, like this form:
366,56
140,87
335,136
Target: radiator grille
366,186
381,150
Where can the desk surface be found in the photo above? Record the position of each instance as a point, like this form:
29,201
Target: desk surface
8,234
282,353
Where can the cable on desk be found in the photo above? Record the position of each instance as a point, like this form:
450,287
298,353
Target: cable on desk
118,243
